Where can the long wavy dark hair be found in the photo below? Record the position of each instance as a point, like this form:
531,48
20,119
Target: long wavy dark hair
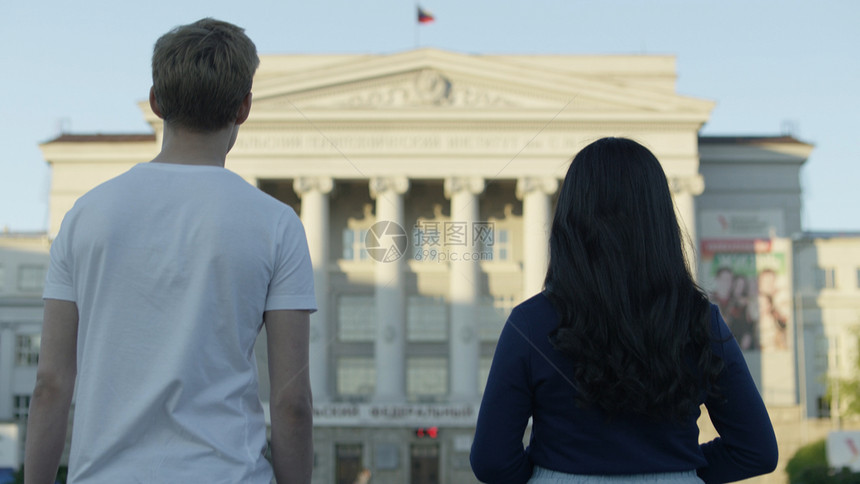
630,315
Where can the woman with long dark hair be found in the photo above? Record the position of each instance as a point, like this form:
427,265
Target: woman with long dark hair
613,359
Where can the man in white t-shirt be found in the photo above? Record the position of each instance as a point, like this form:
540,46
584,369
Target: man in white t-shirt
160,281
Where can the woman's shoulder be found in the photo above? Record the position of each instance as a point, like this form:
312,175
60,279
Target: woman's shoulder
537,309
529,321
720,332
538,303
718,324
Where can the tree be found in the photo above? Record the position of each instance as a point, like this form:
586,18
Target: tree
844,391
809,466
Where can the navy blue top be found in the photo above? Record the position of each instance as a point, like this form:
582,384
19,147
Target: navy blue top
529,378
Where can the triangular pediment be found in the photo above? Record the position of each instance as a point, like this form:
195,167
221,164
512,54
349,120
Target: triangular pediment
431,79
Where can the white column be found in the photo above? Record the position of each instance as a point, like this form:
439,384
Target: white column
537,221
390,293
314,193
464,289
7,364
684,189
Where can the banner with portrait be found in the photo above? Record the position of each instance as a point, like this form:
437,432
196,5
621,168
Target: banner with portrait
751,282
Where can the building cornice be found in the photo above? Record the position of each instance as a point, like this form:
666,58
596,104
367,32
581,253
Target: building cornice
753,149
102,138
21,301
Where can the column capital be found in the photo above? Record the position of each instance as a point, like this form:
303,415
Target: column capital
546,185
321,184
397,184
472,184
694,185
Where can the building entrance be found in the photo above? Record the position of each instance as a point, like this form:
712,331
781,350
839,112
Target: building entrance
348,463
424,464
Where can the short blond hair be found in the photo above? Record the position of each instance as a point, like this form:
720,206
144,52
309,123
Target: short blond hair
201,72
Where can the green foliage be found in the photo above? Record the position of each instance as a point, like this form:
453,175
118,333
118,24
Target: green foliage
809,466
810,457
847,389
62,475
823,475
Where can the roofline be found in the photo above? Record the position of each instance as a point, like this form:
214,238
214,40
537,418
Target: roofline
103,138
6,233
750,140
148,137
826,234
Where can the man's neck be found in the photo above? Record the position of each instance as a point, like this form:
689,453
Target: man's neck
183,147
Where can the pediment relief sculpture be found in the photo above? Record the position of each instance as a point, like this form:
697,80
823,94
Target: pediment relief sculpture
426,88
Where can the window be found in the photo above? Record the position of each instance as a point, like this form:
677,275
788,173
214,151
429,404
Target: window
493,311
497,246
21,407
20,413
356,316
426,319
825,278
823,407
858,276
426,377
27,349
356,377
353,244
31,278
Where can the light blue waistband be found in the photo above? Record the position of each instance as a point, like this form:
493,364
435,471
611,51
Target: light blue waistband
541,475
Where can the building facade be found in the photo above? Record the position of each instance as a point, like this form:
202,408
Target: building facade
746,216
827,301
426,181
23,263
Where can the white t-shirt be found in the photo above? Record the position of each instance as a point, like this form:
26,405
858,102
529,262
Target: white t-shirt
172,267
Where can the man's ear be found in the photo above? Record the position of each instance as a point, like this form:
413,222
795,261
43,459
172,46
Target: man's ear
244,109
153,103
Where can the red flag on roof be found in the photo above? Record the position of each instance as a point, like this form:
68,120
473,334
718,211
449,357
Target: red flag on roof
424,17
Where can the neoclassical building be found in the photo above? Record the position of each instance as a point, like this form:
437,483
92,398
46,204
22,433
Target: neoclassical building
426,181
827,299
23,263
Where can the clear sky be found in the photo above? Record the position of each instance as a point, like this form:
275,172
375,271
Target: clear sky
772,66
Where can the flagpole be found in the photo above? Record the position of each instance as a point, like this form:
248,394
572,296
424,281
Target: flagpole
417,26
422,17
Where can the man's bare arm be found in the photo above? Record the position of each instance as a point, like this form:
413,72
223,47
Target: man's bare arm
52,396
291,403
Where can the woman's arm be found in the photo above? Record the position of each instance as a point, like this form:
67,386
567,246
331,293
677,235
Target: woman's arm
747,444
497,451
